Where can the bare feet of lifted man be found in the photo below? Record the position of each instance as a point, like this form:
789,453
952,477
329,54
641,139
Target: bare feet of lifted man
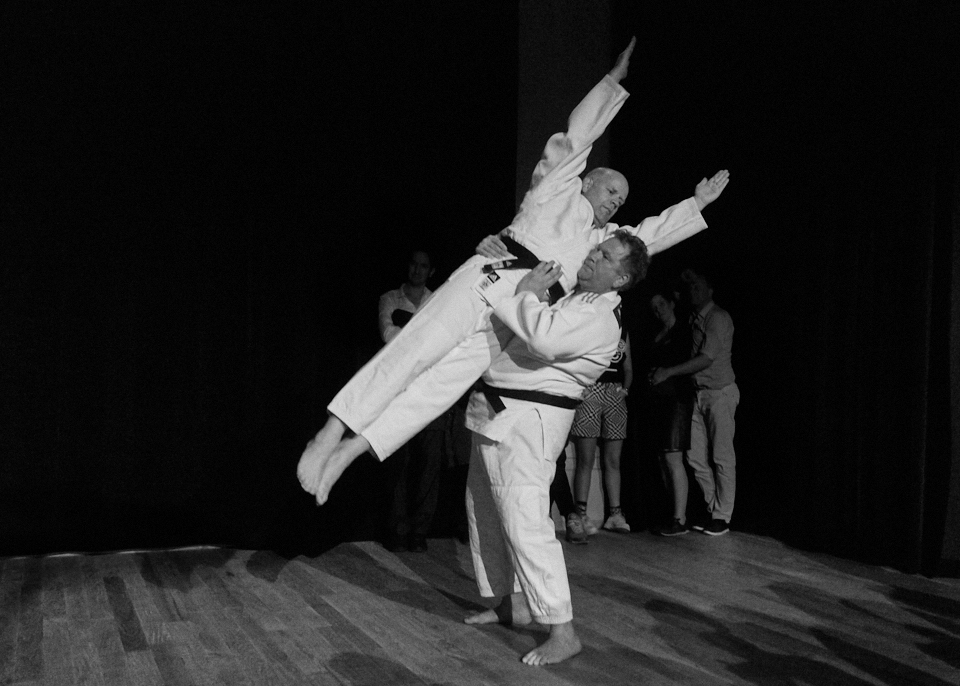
326,457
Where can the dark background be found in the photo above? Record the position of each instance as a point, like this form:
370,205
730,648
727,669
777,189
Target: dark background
202,202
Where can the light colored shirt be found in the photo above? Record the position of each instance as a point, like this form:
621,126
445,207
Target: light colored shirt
395,300
555,221
712,329
558,349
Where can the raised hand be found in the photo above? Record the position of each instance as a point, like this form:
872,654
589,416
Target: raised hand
619,71
539,280
710,189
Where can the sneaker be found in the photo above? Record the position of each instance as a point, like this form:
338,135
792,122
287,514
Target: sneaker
674,528
418,543
589,526
716,527
617,524
575,532
396,543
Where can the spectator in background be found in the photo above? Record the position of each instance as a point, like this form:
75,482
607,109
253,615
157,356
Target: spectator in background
561,495
602,415
397,306
413,478
668,406
711,454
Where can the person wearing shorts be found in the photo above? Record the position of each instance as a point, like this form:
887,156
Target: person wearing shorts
602,416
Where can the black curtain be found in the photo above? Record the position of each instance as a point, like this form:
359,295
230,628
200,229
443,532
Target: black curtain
201,204
834,250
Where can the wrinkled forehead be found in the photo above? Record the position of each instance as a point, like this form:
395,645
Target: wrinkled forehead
613,247
617,181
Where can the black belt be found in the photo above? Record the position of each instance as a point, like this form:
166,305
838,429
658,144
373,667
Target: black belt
493,395
525,260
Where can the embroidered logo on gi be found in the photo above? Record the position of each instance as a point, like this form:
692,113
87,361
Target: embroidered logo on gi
491,279
621,352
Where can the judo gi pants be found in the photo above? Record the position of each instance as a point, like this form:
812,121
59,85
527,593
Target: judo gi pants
512,537
711,454
425,368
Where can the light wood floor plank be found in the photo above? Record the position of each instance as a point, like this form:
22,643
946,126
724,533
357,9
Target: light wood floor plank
736,610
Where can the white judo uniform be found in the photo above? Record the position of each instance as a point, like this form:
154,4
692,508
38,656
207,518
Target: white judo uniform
450,341
560,350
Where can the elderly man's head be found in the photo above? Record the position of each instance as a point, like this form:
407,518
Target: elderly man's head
617,264
606,190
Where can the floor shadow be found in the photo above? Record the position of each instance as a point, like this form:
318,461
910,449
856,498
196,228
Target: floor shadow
360,669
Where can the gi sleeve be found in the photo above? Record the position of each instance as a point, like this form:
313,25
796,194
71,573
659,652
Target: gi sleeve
565,155
557,333
673,225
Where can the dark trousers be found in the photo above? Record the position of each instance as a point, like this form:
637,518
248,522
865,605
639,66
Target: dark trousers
414,472
560,492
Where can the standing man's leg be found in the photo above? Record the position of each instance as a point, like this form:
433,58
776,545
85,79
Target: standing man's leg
423,478
698,457
561,495
398,523
519,474
719,417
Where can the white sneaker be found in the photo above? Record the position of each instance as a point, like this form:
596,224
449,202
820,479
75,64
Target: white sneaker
617,524
575,532
589,526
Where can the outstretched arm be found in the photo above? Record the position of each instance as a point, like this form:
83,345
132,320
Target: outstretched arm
565,154
709,190
676,223
619,71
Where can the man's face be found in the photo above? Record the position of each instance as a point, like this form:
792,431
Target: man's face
606,194
699,291
418,271
601,271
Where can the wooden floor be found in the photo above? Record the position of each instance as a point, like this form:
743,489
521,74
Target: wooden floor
737,609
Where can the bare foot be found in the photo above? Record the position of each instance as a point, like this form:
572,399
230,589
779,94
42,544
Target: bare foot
512,611
317,452
332,468
562,644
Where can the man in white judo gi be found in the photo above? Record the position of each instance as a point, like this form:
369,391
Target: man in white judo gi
450,340
521,419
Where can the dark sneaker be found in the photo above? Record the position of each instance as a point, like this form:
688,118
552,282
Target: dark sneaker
418,544
716,527
674,528
396,544
575,531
